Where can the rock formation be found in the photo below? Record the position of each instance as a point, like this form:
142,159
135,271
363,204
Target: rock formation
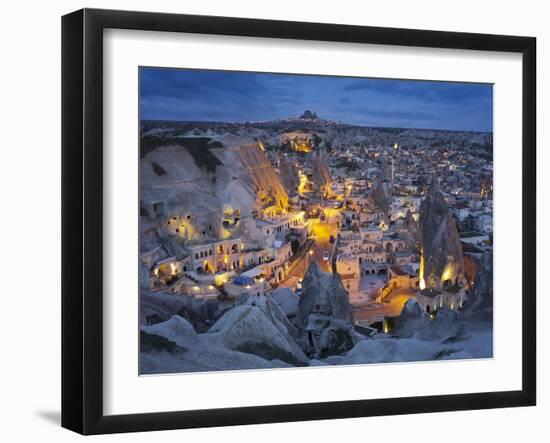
287,301
442,261
382,194
181,349
411,320
444,326
274,312
323,293
325,313
321,174
188,201
411,233
289,176
414,322
262,175
479,303
250,329
176,329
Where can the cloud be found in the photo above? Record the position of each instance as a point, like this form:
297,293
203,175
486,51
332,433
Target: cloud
403,118
186,94
424,91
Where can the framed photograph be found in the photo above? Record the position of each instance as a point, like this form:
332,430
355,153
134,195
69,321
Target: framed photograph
269,221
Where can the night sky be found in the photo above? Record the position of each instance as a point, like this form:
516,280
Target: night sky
179,94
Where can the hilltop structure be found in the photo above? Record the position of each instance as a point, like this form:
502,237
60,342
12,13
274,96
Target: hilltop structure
308,115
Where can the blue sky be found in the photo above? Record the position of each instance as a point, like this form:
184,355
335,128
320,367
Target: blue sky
181,94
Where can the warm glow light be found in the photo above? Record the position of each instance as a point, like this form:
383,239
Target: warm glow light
448,272
220,279
303,181
302,147
421,270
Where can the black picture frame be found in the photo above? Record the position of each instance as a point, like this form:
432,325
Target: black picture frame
82,215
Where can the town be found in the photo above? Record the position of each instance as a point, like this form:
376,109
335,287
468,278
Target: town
241,213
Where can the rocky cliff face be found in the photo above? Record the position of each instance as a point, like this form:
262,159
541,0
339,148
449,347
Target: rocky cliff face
186,198
321,174
323,293
289,176
411,320
259,330
411,234
479,304
263,178
414,322
174,346
325,314
442,261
